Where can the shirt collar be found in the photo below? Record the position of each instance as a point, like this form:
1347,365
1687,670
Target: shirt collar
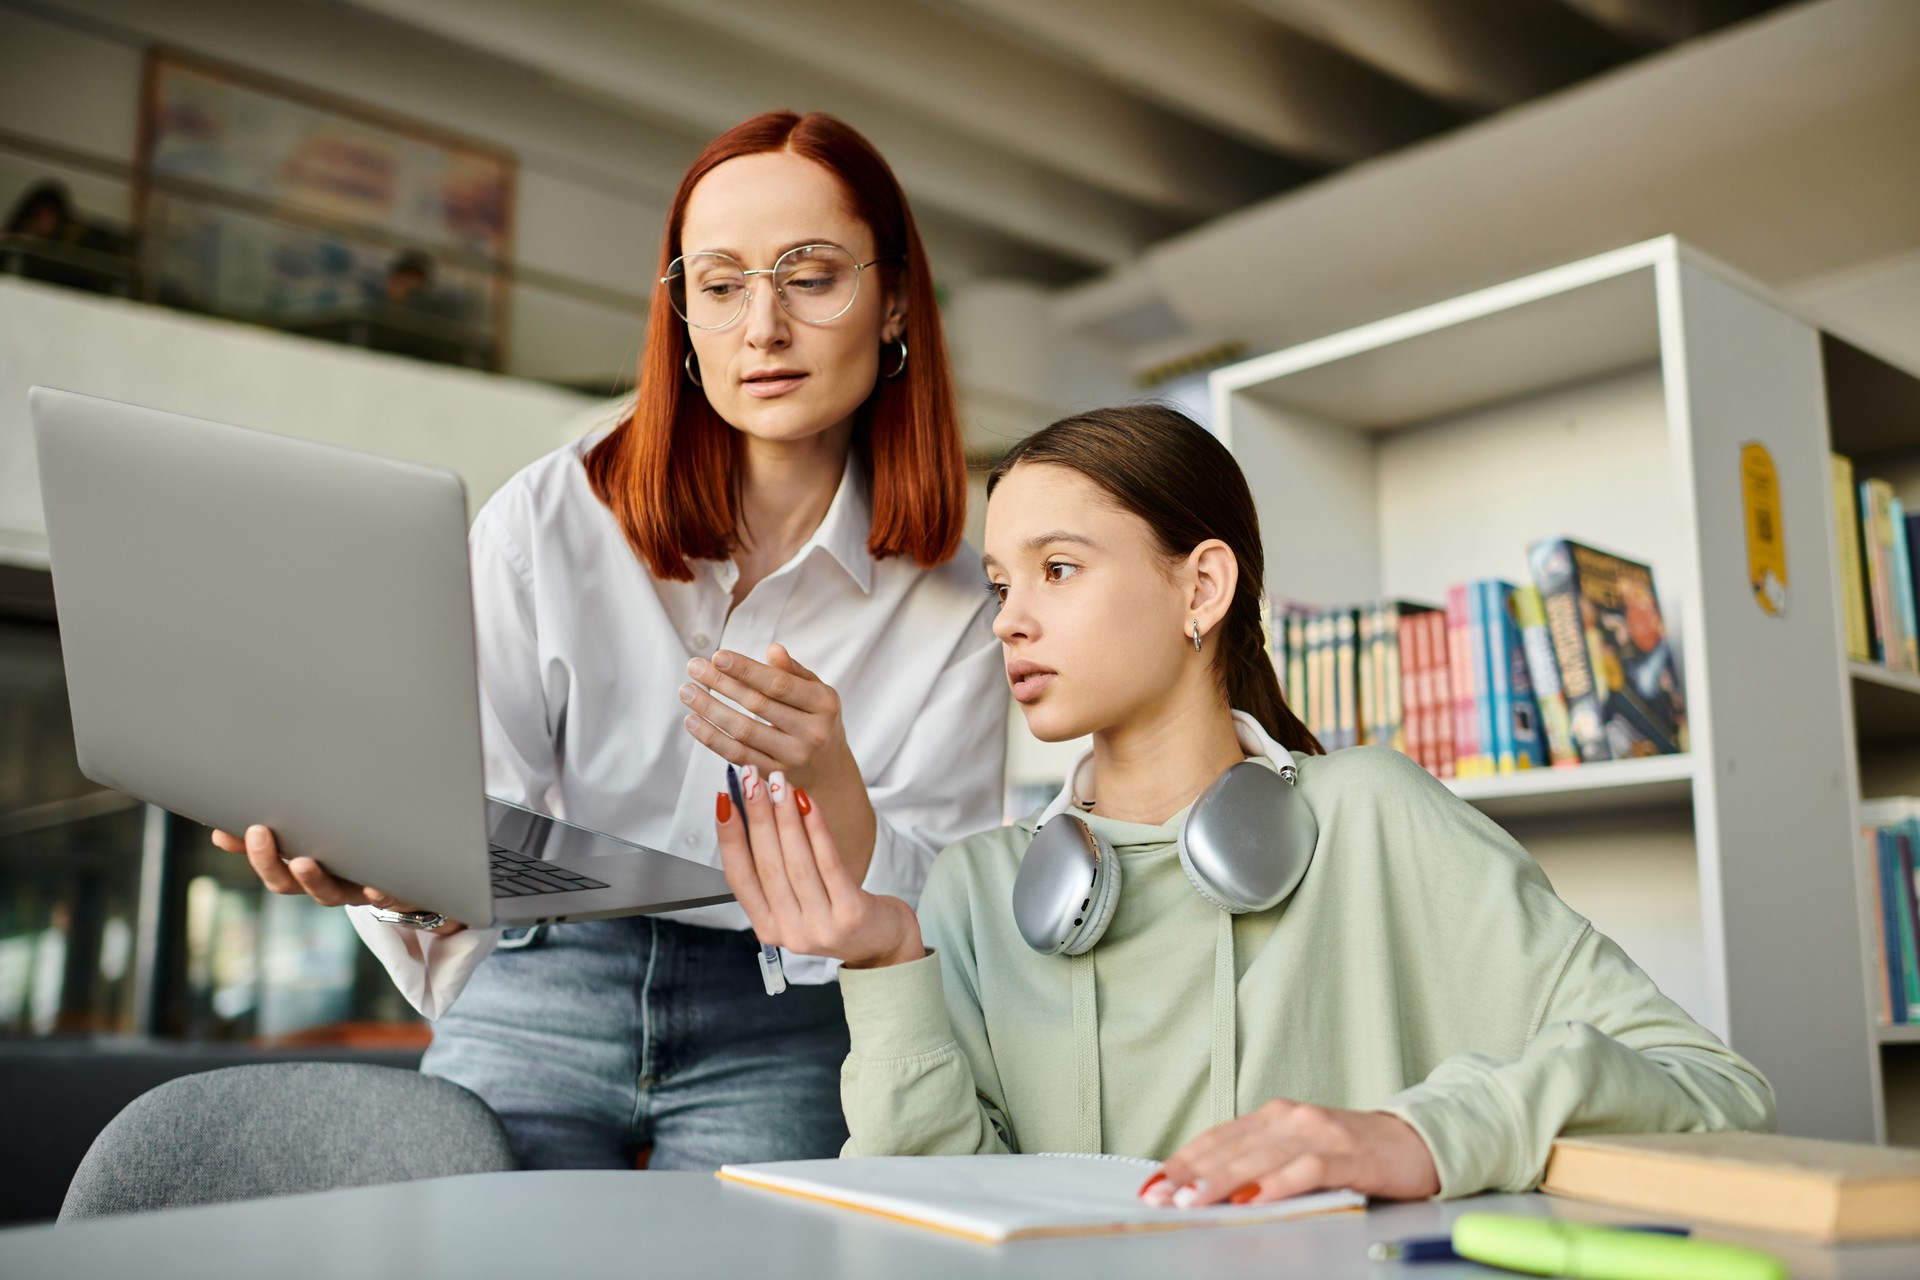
1253,740
842,534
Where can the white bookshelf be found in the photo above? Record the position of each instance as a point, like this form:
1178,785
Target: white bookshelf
1873,408
1607,400
1569,793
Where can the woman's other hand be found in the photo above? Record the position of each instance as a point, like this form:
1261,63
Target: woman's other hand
1286,1148
305,876
792,726
780,861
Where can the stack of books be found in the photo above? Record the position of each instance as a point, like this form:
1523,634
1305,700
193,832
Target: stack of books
1876,570
1890,834
1572,668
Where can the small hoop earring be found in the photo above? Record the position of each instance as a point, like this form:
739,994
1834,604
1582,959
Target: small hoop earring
1195,624
692,377
901,367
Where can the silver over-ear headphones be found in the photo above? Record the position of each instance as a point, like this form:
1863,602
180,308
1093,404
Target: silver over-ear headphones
1245,846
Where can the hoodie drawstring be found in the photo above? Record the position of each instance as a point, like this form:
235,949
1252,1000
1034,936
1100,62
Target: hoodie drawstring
1221,1086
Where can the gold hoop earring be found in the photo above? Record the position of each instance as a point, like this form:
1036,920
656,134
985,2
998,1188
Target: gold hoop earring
692,377
1195,624
901,367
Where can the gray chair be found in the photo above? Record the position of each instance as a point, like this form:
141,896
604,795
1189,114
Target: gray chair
243,1133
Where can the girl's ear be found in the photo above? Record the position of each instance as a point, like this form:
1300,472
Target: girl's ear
1214,573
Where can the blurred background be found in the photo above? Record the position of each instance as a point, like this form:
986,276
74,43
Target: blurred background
429,228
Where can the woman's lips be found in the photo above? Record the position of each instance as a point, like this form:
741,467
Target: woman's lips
1028,687
768,388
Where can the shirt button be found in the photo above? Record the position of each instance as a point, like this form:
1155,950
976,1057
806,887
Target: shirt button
699,640
693,840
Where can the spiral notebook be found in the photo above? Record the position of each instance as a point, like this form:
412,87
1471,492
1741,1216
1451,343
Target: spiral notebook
999,1198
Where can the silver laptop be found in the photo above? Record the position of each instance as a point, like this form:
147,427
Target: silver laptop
262,629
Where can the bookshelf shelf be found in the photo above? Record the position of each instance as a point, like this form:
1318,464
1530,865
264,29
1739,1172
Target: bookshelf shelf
1609,401
1886,705
1655,782
1906,1033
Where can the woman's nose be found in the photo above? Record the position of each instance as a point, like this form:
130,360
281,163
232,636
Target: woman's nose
766,319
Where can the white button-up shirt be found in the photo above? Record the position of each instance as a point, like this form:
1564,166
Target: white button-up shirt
582,653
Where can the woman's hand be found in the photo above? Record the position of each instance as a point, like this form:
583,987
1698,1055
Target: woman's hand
792,727
1288,1149
780,861
305,876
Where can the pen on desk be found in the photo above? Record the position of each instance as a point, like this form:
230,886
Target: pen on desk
773,974
1440,1248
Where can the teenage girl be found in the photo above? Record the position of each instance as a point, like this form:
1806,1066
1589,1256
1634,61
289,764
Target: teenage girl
1420,1016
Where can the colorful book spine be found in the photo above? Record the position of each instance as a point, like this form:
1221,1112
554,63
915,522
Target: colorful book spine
1905,838
1870,849
1496,721
1529,741
1316,678
1558,582
1487,758
1853,591
1346,679
1439,693
1466,740
1894,922
1410,638
1903,580
1887,645
1543,673
1297,664
1371,700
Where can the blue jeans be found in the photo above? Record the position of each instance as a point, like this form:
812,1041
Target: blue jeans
594,1041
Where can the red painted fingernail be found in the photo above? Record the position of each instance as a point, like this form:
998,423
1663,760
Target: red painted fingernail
1245,1194
800,798
722,808
1151,1183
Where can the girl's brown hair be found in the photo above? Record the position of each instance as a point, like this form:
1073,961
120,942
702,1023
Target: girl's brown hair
1167,469
670,472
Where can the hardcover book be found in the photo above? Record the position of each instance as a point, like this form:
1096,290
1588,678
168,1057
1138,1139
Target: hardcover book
1617,668
1460,664
1828,1191
1544,674
1517,736
1846,514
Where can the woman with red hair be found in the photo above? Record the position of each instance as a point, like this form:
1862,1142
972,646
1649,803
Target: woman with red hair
789,487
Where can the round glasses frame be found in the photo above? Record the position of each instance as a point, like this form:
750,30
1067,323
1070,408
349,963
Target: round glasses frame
678,268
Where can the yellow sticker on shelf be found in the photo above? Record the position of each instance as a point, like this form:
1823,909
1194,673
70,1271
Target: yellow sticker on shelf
1766,537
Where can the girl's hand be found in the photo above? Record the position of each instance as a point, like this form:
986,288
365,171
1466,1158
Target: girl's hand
1287,1149
780,861
305,876
791,726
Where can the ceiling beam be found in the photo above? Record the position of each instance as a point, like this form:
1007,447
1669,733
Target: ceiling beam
1004,93
1479,55
1235,69
661,67
1657,23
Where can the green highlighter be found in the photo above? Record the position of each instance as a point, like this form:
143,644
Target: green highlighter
1547,1247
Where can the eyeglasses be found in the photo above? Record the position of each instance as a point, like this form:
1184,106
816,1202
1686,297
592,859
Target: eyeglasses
815,283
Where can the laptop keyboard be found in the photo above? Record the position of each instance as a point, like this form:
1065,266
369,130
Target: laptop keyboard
515,875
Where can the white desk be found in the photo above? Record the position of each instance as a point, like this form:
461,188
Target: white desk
687,1226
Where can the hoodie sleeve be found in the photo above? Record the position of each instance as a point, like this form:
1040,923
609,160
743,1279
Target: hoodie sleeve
920,1079
1599,1048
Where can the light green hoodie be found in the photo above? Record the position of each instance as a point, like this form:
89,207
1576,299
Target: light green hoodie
1424,967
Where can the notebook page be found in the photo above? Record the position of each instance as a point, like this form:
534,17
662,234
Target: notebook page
1005,1197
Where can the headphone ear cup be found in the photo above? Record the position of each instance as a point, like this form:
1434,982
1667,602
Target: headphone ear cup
1198,881
1100,906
